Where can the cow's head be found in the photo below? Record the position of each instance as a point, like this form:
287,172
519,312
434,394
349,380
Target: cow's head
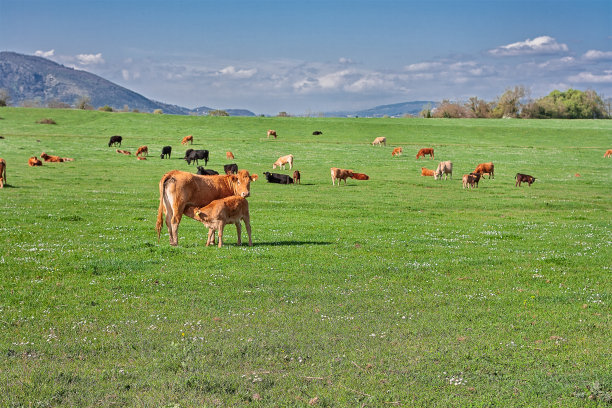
241,182
437,174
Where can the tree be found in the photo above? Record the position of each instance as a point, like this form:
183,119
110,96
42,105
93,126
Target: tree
5,97
509,104
217,112
83,102
448,109
570,104
479,107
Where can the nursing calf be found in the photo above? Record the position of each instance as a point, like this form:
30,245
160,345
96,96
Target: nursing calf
219,213
340,174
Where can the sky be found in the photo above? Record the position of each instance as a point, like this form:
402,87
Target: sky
310,56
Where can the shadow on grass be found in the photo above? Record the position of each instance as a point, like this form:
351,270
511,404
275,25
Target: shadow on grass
289,243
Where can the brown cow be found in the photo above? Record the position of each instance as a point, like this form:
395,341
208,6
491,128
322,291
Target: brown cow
187,139
54,159
2,172
142,150
229,155
397,151
486,168
423,152
476,178
271,133
608,153
381,140
523,177
297,177
288,159
340,174
426,172
181,192
359,176
123,152
228,210
33,161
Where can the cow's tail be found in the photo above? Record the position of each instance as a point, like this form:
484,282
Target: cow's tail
160,211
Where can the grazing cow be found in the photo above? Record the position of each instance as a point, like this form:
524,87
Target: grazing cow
230,168
608,153
426,172
229,155
187,139
523,177
476,178
123,151
360,176
33,161
180,192
114,141
444,168
381,140
486,168
297,177
54,159
271,133
195,155
397,151
284,160
206,172
141,158
2,172
228,210
142,150
166,151
317,133
278,178
340,174
425,151
468,181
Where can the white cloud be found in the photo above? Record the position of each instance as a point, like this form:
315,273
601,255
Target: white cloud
560,63
539,45
88,59
345,61
589,77
44,54
423,66
125,74
597,55
231,71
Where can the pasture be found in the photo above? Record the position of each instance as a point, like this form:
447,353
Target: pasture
396,291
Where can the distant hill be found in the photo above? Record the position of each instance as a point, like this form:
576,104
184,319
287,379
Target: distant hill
30,78
394,110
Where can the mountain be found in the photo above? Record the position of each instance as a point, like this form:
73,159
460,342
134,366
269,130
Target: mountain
396,109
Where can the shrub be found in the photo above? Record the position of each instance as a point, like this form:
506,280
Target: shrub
5,97
57,104
83,103
158,111
46,121
448,109
105,108
217,112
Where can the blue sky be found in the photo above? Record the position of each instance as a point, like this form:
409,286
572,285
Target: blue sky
310,56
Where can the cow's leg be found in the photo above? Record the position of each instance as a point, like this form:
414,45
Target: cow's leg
211,236
239,232
247,224
221,234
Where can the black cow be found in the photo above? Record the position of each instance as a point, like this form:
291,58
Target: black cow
166,151
230,168
476,178
523,177
317,132
278,178
206,172
195,155
114,140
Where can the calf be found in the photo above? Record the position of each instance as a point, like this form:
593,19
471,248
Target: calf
476,178
2,172
271,133
278,178
230,168
297,177
444,168
142,150
426,172
166,151
228,210
523,177
33,161
485,168
114,141
206,172
340,174
317,133
360,176
381,140
425,151
187,139
229,155
608,153
468,181
195,155
284,160
397,151
55,159
123,151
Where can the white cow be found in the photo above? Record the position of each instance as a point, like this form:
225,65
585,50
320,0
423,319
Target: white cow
444,168
284,160
380,140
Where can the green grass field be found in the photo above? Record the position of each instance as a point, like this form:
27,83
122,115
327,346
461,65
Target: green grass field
397,291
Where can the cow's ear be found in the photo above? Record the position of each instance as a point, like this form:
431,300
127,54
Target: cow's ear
254,177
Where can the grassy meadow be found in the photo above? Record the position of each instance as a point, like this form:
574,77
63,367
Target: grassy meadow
396,291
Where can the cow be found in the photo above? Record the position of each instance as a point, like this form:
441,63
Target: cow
187,139
424,151
523,177
426,172
340,174
486,168
282,161
229,155
397,151
476,178
206,172
317,133
2,172
141,158
359,176
444,168
166,151
195,155
468,181
54,159
271,133
297,177
142,150
230,168
278,178
123,152
381,140
181,192
608,153
33,161
115,140
228,210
